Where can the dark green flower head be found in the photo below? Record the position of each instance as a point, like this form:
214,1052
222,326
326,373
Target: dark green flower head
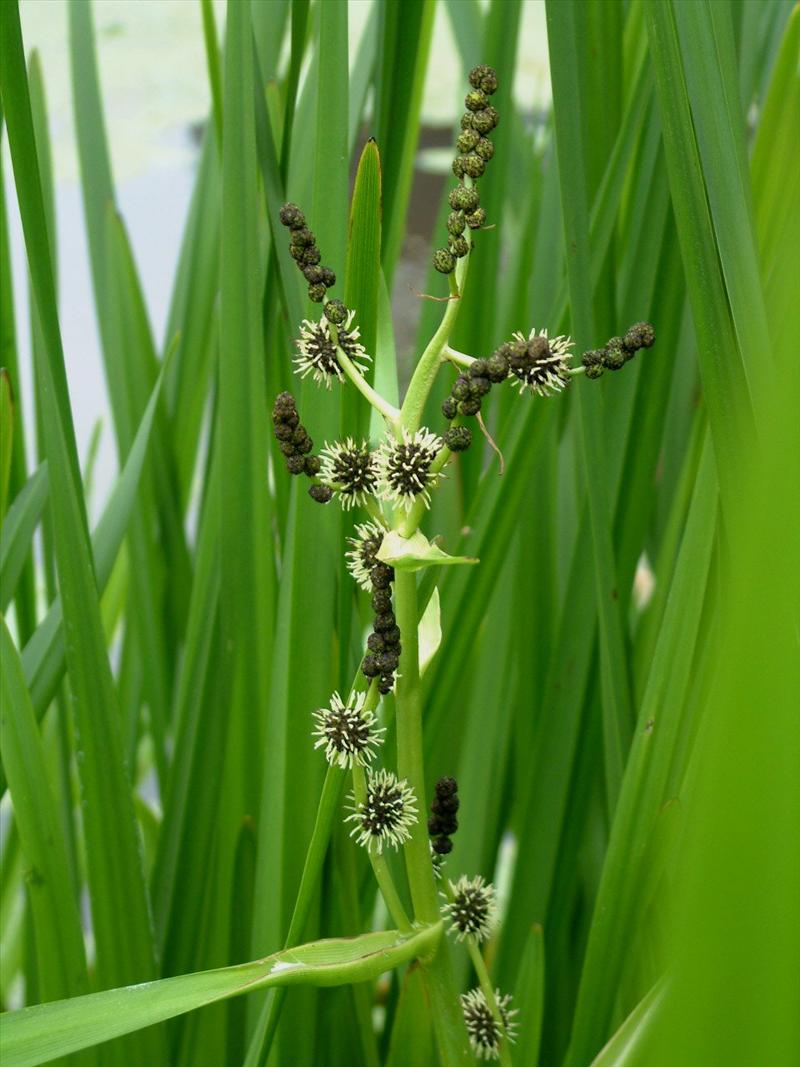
463,199
458,438
476,100
483,77
444,261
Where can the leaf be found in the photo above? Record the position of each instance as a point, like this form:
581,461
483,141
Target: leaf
46,1031
18,527
430,632
627,1048
415,552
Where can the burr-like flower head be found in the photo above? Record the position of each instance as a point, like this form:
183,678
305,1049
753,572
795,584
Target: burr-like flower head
347,731
350,470
485,1033
539,363
362,558
387,815
473,909
316,350
405,467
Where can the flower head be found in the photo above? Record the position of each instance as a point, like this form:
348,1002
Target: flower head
316,349
347,731
406,467
362,557
539,363
349,469
473,908
388,813
485,1033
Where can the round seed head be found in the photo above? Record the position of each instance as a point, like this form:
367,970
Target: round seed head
463,199
540,363
328,277
460,390
381,601
474,165
485,121
467,140
381,576
456,223
298,253
483,77
444,261
484,148
347,731
291,216
369,667
458,438
616,355
335,312
405,467
295,464
442,846
320,493
302,237
485,1032
479,387
470,406
351,470
476,100
476,219
458,167
311,256
387,814
316,293
449,408
473,909
311,466
459,246
312,274
361,557
383,622
466,121
640,335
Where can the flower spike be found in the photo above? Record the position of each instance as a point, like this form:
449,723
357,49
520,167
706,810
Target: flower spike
350,470
316,350
485,1033
405,467
387,815
473,908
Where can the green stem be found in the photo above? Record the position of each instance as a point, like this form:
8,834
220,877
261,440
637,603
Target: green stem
461,358
389,411
380,867
426,370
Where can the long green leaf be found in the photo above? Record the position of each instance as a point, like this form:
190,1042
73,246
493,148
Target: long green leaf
17,531
38,1034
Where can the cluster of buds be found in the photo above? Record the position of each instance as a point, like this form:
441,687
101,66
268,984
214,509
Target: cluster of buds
475,150
617,351
303,250
443,823
383,657
292,437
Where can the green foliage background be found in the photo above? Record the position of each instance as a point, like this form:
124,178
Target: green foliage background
629,770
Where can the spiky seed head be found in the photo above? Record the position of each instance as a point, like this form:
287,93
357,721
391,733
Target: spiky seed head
463,199
321,493
640,335
472,909
347,731
458,438
387,814
483,77
335,312
476,100
405,467
362,556
444,260
350,470
485,1032
316,350
540,363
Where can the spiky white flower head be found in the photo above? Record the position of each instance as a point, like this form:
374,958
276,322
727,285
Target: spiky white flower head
347,731
351,470
405,466
388,813
472,909
485,1033
540,363
362,556
316,350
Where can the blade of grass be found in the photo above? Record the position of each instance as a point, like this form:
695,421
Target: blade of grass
17,532
61,961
